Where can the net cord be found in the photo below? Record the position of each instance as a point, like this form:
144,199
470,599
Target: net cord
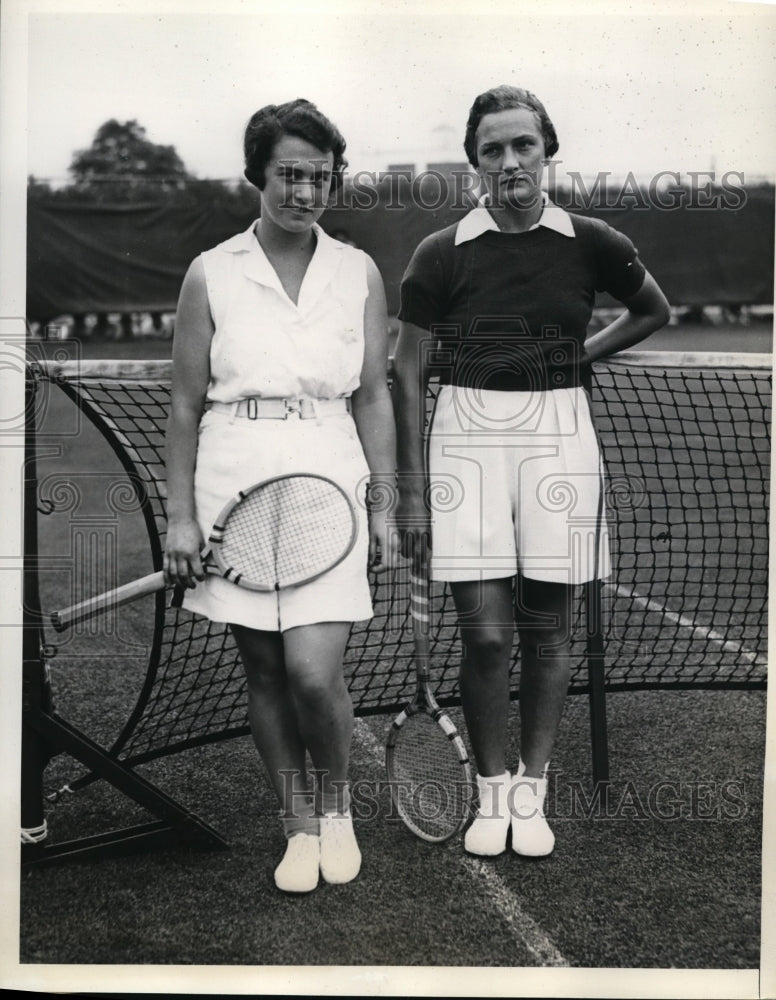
161,369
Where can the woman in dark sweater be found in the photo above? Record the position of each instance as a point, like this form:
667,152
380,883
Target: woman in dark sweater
499,304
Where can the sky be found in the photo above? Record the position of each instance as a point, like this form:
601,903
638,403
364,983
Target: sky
630,87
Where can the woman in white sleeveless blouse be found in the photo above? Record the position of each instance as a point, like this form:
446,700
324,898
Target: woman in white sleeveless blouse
282,311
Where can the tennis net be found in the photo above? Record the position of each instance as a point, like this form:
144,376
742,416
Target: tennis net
686,441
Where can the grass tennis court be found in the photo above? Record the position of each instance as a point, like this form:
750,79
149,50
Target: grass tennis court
626,891
670,877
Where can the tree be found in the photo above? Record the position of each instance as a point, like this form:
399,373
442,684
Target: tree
121,155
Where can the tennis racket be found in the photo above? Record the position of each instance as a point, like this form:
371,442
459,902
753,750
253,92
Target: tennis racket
280,533
426,761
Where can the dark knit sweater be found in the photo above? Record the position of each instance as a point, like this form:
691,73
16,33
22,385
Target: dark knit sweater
510,310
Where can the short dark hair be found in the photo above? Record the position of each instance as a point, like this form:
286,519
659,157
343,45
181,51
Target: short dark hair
502,99
300,118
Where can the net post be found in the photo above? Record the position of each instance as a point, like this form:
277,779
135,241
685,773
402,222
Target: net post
175,826
36,693
596,665
45,734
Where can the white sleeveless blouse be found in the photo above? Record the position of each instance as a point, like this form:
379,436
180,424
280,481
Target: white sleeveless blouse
266,345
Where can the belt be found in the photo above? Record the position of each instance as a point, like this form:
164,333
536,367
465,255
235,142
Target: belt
262,408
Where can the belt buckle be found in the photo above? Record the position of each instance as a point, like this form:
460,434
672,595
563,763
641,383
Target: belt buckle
292,406
252,408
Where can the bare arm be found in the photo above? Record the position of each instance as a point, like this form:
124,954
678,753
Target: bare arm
374,419
646,311
190,377
410,382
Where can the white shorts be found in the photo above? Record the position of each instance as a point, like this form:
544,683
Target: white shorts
232,455
516,486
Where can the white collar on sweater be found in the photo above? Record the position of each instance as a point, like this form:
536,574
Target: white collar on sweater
479,221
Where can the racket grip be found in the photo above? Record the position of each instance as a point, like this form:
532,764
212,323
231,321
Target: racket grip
111,599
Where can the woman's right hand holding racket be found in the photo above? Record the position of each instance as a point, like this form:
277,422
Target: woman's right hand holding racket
413,520
383,546
182,554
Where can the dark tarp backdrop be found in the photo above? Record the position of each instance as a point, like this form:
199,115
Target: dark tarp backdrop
89,258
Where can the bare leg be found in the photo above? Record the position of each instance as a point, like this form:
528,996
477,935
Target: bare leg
324,713
486,619
321,701
543,623
271,713
298,701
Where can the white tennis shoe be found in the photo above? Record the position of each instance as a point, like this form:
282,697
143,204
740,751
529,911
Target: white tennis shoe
487,834
298,871
340,856
531,835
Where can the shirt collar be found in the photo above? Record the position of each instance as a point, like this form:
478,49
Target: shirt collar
479,221
256,265
248,241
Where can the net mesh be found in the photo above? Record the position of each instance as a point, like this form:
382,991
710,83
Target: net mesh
687,455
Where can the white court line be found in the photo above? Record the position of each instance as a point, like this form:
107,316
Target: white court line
524,928
709,634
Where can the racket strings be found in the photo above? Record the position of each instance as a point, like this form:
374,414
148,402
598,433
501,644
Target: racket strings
315,526
287,531
249,537
430,779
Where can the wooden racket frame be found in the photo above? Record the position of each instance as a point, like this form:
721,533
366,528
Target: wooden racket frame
153,582
423,701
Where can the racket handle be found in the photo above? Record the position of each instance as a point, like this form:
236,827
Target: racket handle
419,613
111,599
